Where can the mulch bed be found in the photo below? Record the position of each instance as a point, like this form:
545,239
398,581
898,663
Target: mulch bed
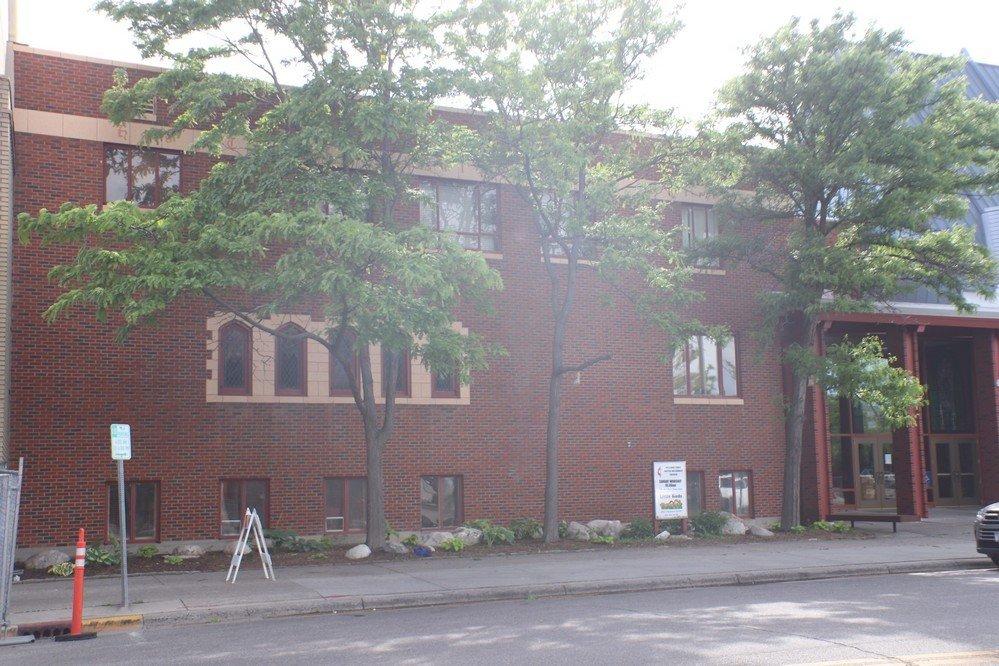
218,561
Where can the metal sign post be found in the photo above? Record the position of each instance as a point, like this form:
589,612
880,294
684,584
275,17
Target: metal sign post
121,450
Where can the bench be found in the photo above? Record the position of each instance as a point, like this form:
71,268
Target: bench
853,518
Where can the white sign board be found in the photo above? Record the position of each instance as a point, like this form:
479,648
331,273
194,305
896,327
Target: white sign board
669,480
121,441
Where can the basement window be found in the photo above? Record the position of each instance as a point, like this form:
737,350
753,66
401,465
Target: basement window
346,504
238,495
440,501
142,511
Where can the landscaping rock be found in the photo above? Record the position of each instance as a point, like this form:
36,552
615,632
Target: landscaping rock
359,552
190,550
45,559
578,531
468,535
435,539
662,536
396,547
611,528
733,525
230,548
757,530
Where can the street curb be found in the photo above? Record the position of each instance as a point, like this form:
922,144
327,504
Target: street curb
367,603
112,622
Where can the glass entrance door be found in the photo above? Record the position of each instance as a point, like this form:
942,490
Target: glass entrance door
875,474
955,470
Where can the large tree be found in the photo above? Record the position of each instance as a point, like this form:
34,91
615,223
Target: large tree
843,148
552,80
304,219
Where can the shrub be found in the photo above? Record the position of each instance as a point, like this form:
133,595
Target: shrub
147,552
289,542
526,528
105,555
826,526
639,528
563,529
673,526
62,569
316,557
173,559
453,545
708,523
797,529
492,534
412,541
597,538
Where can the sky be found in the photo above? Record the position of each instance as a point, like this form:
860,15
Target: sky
684,76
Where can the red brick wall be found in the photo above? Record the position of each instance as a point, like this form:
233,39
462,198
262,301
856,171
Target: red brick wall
71,380
986,363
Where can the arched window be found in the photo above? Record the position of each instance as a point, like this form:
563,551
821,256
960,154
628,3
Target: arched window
234,359
339,376
289,361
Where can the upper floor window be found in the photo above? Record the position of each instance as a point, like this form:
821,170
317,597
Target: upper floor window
340,376
290,361
234,359
144,176
402,375
699,226
445,385
468,211
701,366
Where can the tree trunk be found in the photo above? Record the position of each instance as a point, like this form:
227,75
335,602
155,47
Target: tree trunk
551,433
794,430
376,492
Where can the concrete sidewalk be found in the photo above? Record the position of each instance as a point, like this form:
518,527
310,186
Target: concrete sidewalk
205,597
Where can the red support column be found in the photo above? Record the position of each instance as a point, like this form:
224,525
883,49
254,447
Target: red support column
823,475
986,364
907,447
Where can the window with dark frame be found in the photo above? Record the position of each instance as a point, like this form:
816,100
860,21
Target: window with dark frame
144,176
238,495
235,359
445,385
736,493
695,493
142,511
703,367
468,211
290,362
340,376
441,499
699,227
402,375
346,504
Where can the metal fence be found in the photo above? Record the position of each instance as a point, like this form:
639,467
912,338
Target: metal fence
10,502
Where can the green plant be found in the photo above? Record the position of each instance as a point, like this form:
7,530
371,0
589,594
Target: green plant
316,557
639,528
173,559
708,523
104,555
563,529
147,552
411,541
526,528
797,529
390,532
452,545
62,569
492,534
598,538
289,542
826,526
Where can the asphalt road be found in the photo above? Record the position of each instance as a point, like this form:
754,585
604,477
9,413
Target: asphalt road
948,617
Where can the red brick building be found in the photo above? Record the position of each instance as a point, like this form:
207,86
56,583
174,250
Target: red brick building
219,423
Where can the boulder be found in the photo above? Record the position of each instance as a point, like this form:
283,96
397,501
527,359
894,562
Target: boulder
733,525
396,547
359,552
759,531
611,528
578,531
468,535
435,539
190,550
230,548
45,559
662,536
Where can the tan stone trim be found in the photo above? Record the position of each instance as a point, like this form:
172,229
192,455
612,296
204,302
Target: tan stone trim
691,400
318,366
24,48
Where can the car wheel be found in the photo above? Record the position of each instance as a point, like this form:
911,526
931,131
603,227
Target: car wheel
995,559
